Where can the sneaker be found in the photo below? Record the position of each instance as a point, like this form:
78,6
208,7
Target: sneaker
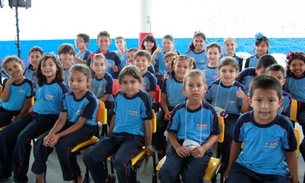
111,178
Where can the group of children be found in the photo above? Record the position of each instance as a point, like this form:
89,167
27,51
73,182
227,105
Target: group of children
196,88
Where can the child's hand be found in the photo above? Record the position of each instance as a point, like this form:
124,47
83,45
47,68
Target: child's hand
148,150
226,173
165,74
158,50
182,152
115,68
198,152
53,140
13,118
46,140
167,116
240,94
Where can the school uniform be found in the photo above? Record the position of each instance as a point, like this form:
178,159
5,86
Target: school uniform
238,59
84,55
85,107
103,86
284,109
197,125
30,73
211,74
150,83
245,77
126,139
251,61
201,59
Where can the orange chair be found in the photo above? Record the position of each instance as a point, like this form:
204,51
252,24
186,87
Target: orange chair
293,110
116,86
297,134
156,104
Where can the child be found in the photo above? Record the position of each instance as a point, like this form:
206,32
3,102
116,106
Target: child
149,44
278,72
171,96
17,91
82,41
195,122
168,58
248,74
113,61
76,123
34,55
268,139
66,54
196,50
295,78
229,99
213,53
261,48
142,60
16,137
130,55
230,46
130,129
120,44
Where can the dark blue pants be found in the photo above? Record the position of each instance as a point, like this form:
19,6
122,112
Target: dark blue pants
125,147
191,169
240,173
16,138
6,116
69,166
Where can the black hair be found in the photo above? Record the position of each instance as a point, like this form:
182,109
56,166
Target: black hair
265,61
142,53
265,82
150,38
227,60
130,70
66,48
292,56
36,48
275,67
103,33
177,58
197,34
10,59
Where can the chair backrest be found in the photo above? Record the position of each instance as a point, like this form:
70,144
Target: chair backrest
116,86
293,110
221,136
298,137
101,115
158,94
154,122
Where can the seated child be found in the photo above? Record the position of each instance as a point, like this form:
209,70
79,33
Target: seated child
192,131
213,54
66,54
34,55
230,47
268,139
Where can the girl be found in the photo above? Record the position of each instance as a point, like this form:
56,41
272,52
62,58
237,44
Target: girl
171,95
213,53
196,50
66,54
229,99
295,78
130,129
261,48
102,82
16,137
34,55
192,131
149,44
76,123
230,46
17,91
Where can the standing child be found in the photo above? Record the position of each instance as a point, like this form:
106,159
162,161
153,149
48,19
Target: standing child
16,137
295,79
66,54
120,44
229,99
17,92
82,41
268,139
213,54
261,48
130,54
149,44
192,122
196,50
230,47
129,131
34,55
142,59
76,123
171,96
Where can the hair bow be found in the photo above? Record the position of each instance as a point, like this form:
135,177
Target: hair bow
259,35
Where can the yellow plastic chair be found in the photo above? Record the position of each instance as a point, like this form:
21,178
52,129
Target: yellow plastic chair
102,118
214,167
297,134
293,110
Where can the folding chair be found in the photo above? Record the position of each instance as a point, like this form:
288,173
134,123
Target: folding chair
214,167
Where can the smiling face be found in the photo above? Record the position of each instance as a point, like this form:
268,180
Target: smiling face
227,74
213,54
180,68
103,42
148,45
297,67
48,69
261,48
34,58
142,63
98,66
198,43
14,69
167,45
230,47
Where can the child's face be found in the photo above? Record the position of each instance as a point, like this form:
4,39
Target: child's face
148,45
230,46
180,68
142,63
260,71
167,45
168,62
78,82
120,44
34,58
297,67
278,75
98,66
227,74
262,48
213,55
66,57
265,104
130,85
195,87
130,60
103,42
198,42
80,43
14,69
49,69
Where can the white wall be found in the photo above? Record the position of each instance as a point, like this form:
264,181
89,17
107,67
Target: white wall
63,19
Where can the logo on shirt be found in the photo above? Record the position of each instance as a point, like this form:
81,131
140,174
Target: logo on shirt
202,126
21,91
133,112
101,89
78,112
50,97
271,144
232,101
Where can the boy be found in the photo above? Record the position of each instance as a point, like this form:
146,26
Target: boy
130,55
66,54
113,61
120,44
34,55
142,61
278,72
268,139
81,42
168,58
248,74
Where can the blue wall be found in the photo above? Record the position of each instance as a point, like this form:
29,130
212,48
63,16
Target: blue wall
277,45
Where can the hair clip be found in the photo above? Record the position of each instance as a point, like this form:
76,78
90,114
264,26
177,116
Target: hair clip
259,35
197,32
289,55
92,55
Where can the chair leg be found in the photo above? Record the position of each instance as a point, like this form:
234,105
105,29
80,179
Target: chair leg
154,168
